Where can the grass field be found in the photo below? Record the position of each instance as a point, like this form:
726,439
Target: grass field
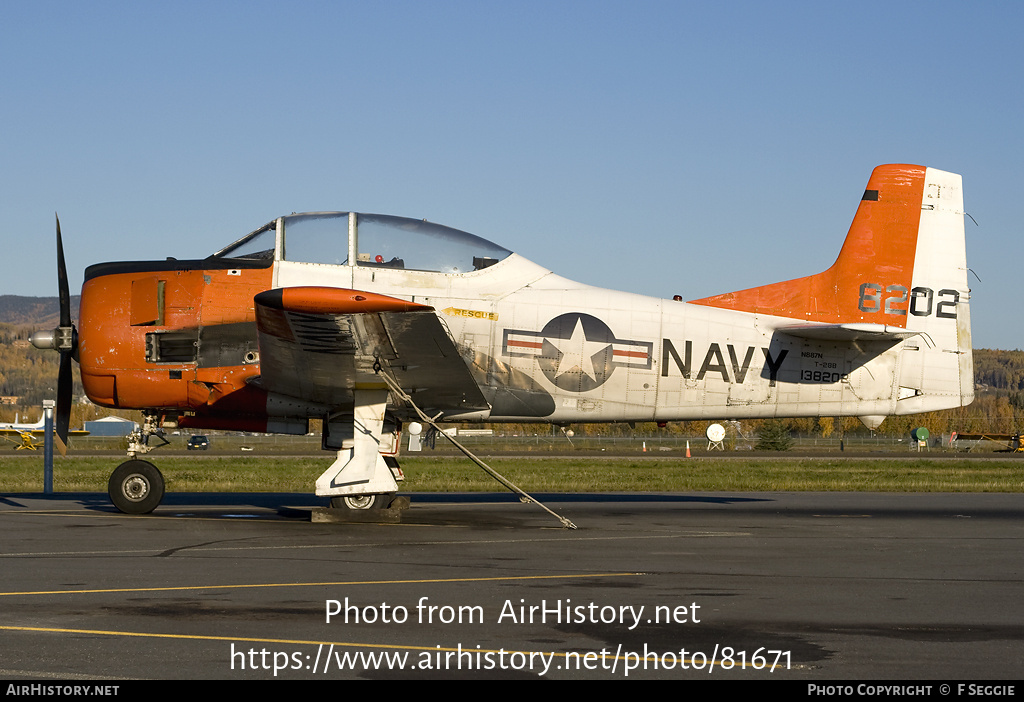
211,473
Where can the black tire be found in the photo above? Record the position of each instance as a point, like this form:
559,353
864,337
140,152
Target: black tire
359,503
136,487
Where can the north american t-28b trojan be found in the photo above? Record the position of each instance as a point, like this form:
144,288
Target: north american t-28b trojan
358,319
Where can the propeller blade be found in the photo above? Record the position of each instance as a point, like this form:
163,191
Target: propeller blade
62,282
63,418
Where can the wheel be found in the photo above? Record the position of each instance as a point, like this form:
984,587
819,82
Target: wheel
136,487
361,502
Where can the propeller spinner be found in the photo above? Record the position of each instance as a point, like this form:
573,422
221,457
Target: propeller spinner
65,340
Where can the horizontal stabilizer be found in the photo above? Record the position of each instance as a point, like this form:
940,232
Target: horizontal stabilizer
847,332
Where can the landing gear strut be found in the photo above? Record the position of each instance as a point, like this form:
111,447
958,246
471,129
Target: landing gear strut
361,479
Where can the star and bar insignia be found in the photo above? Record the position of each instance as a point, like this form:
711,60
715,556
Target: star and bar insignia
577,352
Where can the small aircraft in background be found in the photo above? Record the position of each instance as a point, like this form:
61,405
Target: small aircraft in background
28,433
23,426
370,321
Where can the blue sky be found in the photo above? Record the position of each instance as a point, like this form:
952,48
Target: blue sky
657,147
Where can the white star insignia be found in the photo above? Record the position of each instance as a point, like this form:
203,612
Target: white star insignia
578,352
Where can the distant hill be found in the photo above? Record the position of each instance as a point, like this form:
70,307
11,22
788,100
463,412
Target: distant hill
41,312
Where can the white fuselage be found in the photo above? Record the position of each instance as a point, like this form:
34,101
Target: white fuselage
577,353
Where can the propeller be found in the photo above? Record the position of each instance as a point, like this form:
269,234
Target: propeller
65,340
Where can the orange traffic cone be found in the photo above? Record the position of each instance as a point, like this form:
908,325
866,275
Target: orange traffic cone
687,449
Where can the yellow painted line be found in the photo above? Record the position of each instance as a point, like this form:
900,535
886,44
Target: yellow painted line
327,584
348,644
199,637
374,544
168,513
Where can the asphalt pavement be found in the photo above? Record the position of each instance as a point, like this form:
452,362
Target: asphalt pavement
788,586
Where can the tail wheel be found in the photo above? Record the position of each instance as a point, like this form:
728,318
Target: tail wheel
136,487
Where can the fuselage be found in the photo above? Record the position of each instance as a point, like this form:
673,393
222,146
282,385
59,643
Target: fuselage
180,336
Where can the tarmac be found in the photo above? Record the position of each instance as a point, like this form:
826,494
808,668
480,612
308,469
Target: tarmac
787,586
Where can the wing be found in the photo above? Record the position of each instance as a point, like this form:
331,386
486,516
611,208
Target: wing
317,343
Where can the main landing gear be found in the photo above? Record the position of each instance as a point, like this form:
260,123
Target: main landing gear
361,479
358,503
376,501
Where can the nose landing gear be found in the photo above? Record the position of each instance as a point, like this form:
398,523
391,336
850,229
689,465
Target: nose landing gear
136,487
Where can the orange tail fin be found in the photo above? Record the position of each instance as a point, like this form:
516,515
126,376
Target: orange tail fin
901,275
879,253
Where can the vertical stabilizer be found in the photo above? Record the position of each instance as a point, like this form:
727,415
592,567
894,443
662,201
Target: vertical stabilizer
881,244
903,265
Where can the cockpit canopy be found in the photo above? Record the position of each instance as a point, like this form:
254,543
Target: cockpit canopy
371,240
